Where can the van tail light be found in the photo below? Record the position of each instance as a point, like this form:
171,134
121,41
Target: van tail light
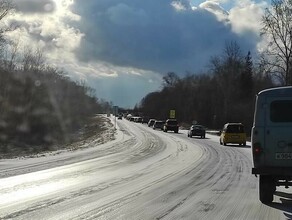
257,149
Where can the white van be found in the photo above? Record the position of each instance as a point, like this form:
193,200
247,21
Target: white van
272,140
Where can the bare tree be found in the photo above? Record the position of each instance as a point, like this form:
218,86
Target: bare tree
170,79
232,52
277,26
33,60
11,53
6,8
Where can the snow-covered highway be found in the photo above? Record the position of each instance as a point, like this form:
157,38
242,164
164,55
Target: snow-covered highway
143,174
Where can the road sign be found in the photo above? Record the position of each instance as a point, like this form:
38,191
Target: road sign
172,114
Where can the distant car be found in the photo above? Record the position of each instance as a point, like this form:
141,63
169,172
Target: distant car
197,130
233,133
145,120
151,122
138,120
128,117
158,125
120,117
171,125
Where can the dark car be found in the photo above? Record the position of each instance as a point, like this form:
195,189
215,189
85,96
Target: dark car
145,120
158,124
138,120
171,125
197,130
151,122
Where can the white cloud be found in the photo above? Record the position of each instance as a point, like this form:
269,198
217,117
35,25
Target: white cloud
247,16
151,36
51,32
215,8
116,39
181,5
142,35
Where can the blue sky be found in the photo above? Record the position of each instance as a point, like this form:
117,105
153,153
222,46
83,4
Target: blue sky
122,48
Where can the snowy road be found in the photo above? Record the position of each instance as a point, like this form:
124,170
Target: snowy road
143,174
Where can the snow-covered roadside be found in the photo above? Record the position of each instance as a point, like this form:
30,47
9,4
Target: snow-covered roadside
83,150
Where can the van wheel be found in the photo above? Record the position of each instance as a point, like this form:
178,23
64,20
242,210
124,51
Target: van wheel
224,144
244,144
266,189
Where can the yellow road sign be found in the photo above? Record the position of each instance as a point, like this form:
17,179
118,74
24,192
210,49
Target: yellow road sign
172,114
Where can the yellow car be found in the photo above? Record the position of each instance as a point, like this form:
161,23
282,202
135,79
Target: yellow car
233,133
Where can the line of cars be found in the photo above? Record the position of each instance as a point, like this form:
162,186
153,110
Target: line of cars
168,125
136,119
232,133
172,125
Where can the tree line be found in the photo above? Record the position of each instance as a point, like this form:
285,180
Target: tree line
225,94
40,106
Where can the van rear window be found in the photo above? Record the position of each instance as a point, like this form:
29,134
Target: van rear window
281,111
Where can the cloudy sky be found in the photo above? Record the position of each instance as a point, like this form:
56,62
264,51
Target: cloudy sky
122,48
